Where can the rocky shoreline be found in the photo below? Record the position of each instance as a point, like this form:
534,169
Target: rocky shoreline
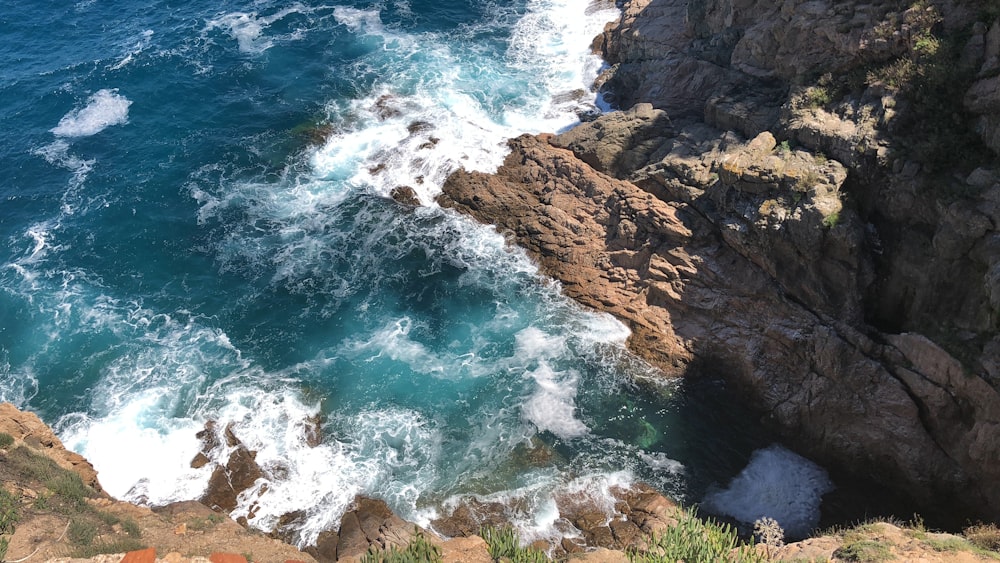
81,524
747,223
749,217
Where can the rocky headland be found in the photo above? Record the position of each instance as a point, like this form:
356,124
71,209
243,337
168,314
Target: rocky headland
803,199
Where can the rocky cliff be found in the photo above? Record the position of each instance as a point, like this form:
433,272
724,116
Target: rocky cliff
804,199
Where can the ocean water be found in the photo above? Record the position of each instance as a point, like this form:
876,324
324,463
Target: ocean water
196,227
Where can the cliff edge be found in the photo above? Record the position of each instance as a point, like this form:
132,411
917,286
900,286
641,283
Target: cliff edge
803,198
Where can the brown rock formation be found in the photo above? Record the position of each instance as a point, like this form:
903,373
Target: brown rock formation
843,277
227,481
370,523
753,278
26,427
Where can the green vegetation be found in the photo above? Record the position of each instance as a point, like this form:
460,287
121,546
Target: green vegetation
930,76
120,545
984,536
9,516
695,541
818,96
5,440
864,551
504,545
81,531
90,531
419,550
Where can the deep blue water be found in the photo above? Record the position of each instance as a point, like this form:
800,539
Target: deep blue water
195,227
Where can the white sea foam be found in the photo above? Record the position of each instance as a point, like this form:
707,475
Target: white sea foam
57,153
779,484
551,407
139,45
454,109
393,342
141,452
248,28
365,21
104,109
321,480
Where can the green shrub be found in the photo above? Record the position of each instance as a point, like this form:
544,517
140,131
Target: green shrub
131,528
503,544
81,532
5,440
949,544
9,514
695,541
419,550
70,487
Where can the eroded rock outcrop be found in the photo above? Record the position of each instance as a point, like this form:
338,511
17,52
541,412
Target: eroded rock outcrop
790,212
731,275
26,427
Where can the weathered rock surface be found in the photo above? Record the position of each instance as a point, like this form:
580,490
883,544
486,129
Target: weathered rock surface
26,427
735,279
228,481
811,271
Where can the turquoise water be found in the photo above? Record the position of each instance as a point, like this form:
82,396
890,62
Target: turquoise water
196,227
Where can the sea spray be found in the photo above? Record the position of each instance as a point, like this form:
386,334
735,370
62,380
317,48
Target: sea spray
778,484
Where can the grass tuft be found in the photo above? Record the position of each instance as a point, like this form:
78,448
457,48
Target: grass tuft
695,541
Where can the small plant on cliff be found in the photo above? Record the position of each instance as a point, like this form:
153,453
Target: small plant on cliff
504,545
419,550
769,532
9,516
695,541
984,536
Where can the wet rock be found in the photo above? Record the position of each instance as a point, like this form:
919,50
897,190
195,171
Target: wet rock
200,460
313,429
238,474
469,517
405,195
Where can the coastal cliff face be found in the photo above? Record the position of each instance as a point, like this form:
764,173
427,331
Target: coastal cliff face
803,198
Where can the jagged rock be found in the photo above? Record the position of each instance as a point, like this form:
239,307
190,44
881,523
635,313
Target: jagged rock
405,195
469,517
325,550
313,429
983,100
240,473
663,269
370,523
